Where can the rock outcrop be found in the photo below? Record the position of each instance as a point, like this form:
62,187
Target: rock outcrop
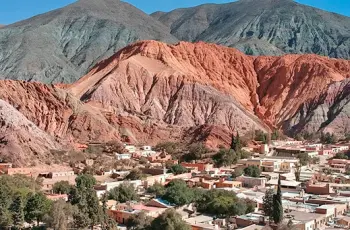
152,92
263,27
21,141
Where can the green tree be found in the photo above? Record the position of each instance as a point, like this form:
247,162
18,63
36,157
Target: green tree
123,193
275,135
62,187
60,214
37,207
237,173
85,198
178,193
340,156
5,202
11,188
139,221
178,169
222,203
261,136
277,204
107,222
85,181
171,148
135,174
169,220
268,203
225,157
297,171
251,205
304,158
156,189
249,51
17,211
328,138
195,152
236,144
252,171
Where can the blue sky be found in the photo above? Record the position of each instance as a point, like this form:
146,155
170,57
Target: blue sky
16,10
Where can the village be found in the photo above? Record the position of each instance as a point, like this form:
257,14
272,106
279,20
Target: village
313,178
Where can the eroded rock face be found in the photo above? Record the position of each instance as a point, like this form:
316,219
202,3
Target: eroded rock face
153,92
195,84
21,141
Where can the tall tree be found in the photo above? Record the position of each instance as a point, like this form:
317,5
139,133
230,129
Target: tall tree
5,202
84,196
297,171
277,204
233,142
17,211
268,203
37,206
60,214
238,145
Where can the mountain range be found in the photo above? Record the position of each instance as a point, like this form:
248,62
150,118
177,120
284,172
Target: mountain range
263,27
62,45
152,92
80,74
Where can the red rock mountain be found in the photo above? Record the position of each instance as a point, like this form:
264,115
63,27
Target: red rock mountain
151,91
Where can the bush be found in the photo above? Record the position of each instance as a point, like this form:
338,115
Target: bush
178,169
135,174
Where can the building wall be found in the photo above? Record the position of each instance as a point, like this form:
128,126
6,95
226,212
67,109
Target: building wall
318,190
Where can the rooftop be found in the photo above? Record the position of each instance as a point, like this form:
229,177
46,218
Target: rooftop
304,216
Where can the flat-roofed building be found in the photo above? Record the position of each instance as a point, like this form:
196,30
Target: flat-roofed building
251,182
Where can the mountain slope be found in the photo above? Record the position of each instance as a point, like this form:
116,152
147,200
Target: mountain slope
263,27
194,84
152,92
62,45
21,141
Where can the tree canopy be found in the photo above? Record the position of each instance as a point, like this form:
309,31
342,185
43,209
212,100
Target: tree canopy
225,157
277,204
178,169
62,187
169,220
328,138
268,203
139,221
157,189
178,193
222,203
123,193
135,174
252,171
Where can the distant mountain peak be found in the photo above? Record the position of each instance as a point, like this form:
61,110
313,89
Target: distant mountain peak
62,45
263,27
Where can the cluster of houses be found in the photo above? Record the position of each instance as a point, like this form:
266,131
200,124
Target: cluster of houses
318,200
